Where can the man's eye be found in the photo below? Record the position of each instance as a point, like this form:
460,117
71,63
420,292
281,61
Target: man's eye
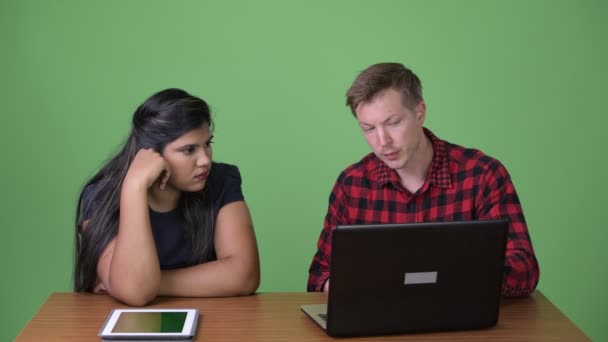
394,123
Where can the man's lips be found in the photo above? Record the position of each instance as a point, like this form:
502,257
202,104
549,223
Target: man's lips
391,155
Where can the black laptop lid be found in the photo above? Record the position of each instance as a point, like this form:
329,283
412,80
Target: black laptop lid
399,278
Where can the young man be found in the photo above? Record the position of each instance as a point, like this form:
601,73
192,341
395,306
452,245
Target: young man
413,176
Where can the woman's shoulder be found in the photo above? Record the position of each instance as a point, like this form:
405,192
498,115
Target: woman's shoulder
91,196
90,192
225,184
224,172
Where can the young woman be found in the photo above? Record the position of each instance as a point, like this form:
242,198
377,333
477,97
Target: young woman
160,218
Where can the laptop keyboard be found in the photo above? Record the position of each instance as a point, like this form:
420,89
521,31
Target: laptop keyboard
323,317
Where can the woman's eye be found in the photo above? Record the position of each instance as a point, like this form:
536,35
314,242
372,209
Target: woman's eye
189,151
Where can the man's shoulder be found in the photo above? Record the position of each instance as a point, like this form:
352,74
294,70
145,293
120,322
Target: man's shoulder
359,170
470,157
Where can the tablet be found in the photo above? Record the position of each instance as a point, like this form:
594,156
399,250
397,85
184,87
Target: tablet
150,324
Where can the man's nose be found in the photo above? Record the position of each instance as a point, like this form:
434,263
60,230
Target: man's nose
384,138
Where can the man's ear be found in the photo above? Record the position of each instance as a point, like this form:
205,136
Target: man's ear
420,112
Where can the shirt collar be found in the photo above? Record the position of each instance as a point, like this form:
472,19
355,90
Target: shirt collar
438,173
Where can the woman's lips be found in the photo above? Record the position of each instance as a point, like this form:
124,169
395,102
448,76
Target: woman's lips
202,176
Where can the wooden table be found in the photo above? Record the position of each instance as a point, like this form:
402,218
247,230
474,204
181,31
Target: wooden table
277,317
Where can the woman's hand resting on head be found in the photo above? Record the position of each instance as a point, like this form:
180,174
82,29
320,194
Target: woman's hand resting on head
147,167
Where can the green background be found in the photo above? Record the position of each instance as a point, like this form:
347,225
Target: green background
524,81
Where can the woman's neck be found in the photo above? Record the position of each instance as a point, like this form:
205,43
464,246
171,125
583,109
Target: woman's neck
163,200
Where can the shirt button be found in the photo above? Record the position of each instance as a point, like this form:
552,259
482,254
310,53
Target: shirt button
411,207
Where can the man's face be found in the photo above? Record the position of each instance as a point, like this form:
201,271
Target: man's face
392,130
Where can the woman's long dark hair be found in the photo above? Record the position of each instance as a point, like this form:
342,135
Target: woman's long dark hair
161,119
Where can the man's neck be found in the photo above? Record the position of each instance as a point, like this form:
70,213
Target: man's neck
414,174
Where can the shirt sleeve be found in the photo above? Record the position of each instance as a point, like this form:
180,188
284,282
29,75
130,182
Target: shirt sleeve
499,200
227,185
336,215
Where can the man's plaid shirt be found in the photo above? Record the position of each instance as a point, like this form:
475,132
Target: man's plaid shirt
461,184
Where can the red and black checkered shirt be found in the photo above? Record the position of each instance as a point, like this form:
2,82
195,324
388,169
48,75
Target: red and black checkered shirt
461,184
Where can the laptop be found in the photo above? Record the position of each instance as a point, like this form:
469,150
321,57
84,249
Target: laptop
417,277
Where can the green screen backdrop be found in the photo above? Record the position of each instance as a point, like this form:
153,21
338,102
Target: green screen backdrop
524,81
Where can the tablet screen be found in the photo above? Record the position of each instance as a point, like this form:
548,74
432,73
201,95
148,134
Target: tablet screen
150,322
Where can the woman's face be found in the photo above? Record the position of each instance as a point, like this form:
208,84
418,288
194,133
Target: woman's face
189,158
